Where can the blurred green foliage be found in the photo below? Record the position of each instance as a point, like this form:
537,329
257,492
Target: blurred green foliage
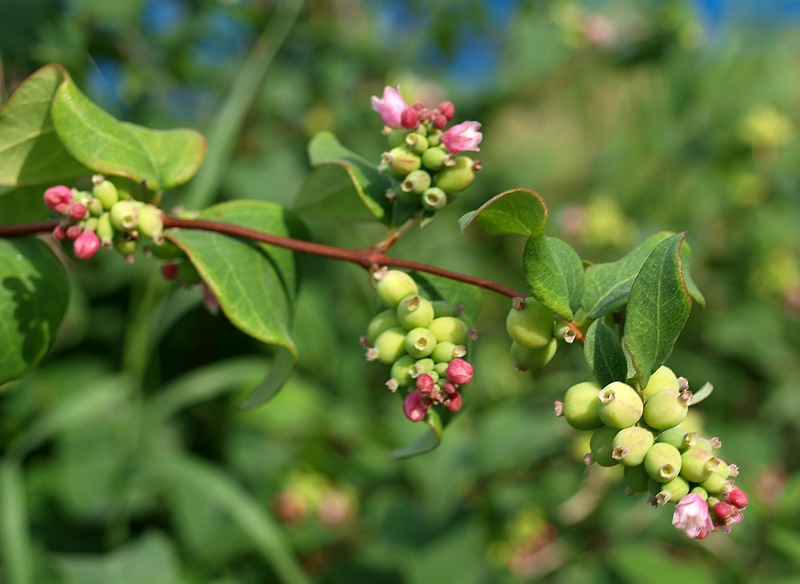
125,458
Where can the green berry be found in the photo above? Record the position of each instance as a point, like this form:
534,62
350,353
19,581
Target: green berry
636,479
446,351
390,345
662,462
417,142
581,404
397,138
125,215
393,286
454,179
104,229
700,492
402,160
601,446
715,483
440,368
424,365
620,405
530,324
416,182
107,193
380,322
420,342
414,312
434,158
434,199
630,445
698,464
525,358
671,491
151,221
449,328
125,244
401,370
665,409
675,436
661,379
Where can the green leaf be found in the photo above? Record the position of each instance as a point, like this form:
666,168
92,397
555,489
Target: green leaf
30,151
159,158
604,354
658,308
691,287
23,205
457,293
33,299
15,537
339,175
554,274
608,285
150,558
248,513
282,366
429,441
255,284
519,211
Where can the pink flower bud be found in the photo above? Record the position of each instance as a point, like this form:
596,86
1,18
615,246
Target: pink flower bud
459,372
692,517
391,107
73,231
454,403
415,406
86,244
60,232
439,121
447,109
462,137
409,118
76,211
737,497
724,511
425,383
58,198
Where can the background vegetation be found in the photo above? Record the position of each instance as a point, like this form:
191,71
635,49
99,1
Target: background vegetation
125,458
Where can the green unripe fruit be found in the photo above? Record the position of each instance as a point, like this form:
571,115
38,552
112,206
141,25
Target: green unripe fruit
456,178
601,446
104,230
424,365
661,379
434,138
698,464
401,370
125,244
443,308
95,207
630,445
675,436
715,483
704,443
620,405
417,142
665,409
420,342
441,369
414,312
636,479
402,160
151,221
449,328
700,492
393,286
381,322
525,358
396,138
662,462
107,193
671,491
124,215
390,345
445,352
434,199
434,158
530,325
416,182
581,405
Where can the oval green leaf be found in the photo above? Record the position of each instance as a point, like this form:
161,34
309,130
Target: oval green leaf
33,300
658,307
608,285
519,211
429,441
159,158
343,185
554,274
30,150
604,354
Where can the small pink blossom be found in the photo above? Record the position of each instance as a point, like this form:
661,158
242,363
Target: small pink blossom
459,372
77,211
58,198
737,497
86,244
391,107
462,137
425,383
416,406
454,403
692,517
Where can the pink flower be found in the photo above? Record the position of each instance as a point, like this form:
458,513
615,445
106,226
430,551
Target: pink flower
737,497
692,517
415,406
391,107
58,198
462,137
86,244
459,372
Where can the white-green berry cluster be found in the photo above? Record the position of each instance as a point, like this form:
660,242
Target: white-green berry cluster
640,429
423,342
531,328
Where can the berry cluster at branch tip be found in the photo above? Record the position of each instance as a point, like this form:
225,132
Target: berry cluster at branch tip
426,159
423,342
640,428
104,217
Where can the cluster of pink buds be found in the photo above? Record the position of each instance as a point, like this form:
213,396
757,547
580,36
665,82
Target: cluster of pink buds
104,217
430,392
697,517
424,157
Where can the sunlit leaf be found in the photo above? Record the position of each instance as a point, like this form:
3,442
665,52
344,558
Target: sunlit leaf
554,274
519,211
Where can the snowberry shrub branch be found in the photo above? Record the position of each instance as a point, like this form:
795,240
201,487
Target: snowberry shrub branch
626,314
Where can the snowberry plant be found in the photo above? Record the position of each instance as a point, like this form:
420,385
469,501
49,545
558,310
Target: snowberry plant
103,179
